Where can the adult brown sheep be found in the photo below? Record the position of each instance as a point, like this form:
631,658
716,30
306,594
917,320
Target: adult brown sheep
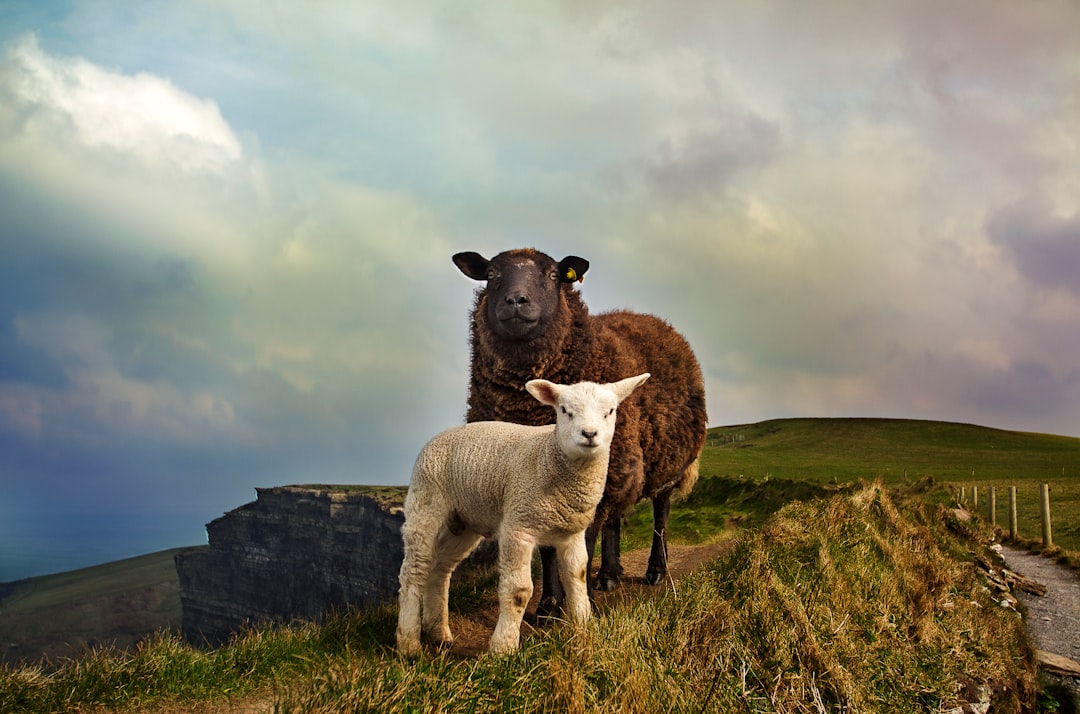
529,322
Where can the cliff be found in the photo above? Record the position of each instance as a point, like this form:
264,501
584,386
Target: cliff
296,552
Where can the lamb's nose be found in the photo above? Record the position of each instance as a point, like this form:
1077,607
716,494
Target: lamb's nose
590,435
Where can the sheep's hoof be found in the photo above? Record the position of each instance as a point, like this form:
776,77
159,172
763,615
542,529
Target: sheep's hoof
607,583
548,611
655,576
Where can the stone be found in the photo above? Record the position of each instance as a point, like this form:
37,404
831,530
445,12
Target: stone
295,553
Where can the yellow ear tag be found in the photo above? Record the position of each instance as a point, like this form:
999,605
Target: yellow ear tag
571,274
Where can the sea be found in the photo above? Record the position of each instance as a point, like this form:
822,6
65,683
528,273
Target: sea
31,545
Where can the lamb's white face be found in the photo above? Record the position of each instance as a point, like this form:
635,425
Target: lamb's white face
585,418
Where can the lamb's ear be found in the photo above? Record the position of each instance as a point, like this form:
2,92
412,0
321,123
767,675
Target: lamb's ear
624,387
545,392
473,265
573,268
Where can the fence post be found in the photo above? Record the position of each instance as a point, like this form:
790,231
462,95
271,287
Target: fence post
1044,498
991,507
963,495
1013,534
975,498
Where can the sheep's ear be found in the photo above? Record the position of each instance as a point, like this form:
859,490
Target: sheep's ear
545,392
624,387
573,268
472,264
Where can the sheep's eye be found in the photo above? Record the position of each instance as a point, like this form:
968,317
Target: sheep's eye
492,274
566,412
554,275
610,412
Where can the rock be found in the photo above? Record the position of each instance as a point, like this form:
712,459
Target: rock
297,552
1056,664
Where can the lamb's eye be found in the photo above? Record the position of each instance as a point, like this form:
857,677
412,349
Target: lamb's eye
566,412
492,274
610,412
554,275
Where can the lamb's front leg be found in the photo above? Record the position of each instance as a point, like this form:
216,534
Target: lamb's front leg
573,569
515,589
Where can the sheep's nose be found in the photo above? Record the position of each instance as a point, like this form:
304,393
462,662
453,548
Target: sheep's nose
590,435
517,300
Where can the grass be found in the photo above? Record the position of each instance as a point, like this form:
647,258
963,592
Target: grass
859,600
904,451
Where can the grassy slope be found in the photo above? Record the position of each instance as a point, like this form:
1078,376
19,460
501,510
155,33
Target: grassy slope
121,602
862,601
847,449
898,451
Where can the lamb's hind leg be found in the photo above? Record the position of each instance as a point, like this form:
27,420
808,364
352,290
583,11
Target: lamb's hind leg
658,566
451,549
419,553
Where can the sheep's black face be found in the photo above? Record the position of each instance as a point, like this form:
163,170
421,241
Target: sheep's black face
522,288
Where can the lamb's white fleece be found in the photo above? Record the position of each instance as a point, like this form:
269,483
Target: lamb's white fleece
525,486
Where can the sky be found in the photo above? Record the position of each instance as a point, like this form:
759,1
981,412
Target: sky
226,226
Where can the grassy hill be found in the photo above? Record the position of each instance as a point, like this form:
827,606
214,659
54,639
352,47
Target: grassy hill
61,615
893,449
902,450
862,600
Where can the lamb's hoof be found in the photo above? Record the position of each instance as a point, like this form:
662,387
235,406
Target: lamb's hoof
655,576
607,583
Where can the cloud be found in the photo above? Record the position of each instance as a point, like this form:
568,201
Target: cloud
168,290
142,116
1044,246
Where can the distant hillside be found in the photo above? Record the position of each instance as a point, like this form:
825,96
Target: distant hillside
60,615
894,449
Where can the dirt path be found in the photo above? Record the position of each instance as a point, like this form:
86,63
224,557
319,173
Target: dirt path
472,632
1054,618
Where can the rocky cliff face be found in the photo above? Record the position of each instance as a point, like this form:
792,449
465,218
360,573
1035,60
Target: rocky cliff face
297,552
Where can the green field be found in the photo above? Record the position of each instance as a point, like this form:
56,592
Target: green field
900,450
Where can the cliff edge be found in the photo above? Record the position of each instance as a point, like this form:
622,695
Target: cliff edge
296,552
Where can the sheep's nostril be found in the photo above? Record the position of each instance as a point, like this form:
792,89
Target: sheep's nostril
590,435
517,300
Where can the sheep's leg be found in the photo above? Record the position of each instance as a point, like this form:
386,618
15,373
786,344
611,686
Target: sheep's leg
515,589
658,567
607,578
574,569
419,552
450,550
591,534
551,589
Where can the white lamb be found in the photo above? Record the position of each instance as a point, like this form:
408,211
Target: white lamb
525,486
